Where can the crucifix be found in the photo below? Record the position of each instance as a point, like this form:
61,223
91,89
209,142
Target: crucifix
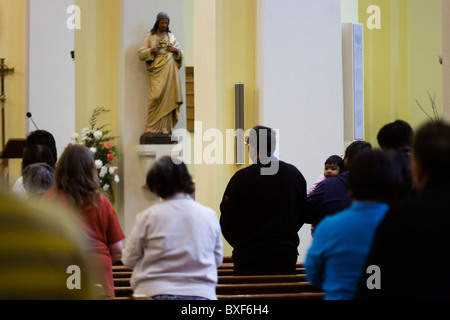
4,70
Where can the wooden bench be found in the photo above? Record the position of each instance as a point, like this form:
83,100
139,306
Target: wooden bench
230,287
123,292
262,279
274,296
226,268
255,291
267,287
262,288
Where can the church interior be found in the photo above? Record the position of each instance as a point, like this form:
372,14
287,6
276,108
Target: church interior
298,62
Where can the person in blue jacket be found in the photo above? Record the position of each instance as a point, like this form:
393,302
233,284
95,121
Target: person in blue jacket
342,241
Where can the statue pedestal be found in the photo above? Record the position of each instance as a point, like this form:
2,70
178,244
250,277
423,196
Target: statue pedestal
157,138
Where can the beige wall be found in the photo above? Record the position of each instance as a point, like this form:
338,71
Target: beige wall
227,29
13,47
96,72
401,62
424,48
96,67
446,57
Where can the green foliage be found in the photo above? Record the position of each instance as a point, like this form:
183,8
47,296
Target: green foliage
97,138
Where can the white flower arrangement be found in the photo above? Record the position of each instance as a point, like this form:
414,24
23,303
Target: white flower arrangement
98,141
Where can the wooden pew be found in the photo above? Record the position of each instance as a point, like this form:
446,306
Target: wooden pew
263,279
129,295
227,259
230,287
278,287
123,292
274,296
255,291
230,272
124,282
263,288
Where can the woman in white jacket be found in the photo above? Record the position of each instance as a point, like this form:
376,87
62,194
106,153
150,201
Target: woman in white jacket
176,245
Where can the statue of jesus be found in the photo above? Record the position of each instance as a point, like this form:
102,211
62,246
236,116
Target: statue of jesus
164,57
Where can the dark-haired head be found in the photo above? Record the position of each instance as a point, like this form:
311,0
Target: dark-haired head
37,153
375,176
166,178
396,135
43,137
354,149
262,141
431,153
336,160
